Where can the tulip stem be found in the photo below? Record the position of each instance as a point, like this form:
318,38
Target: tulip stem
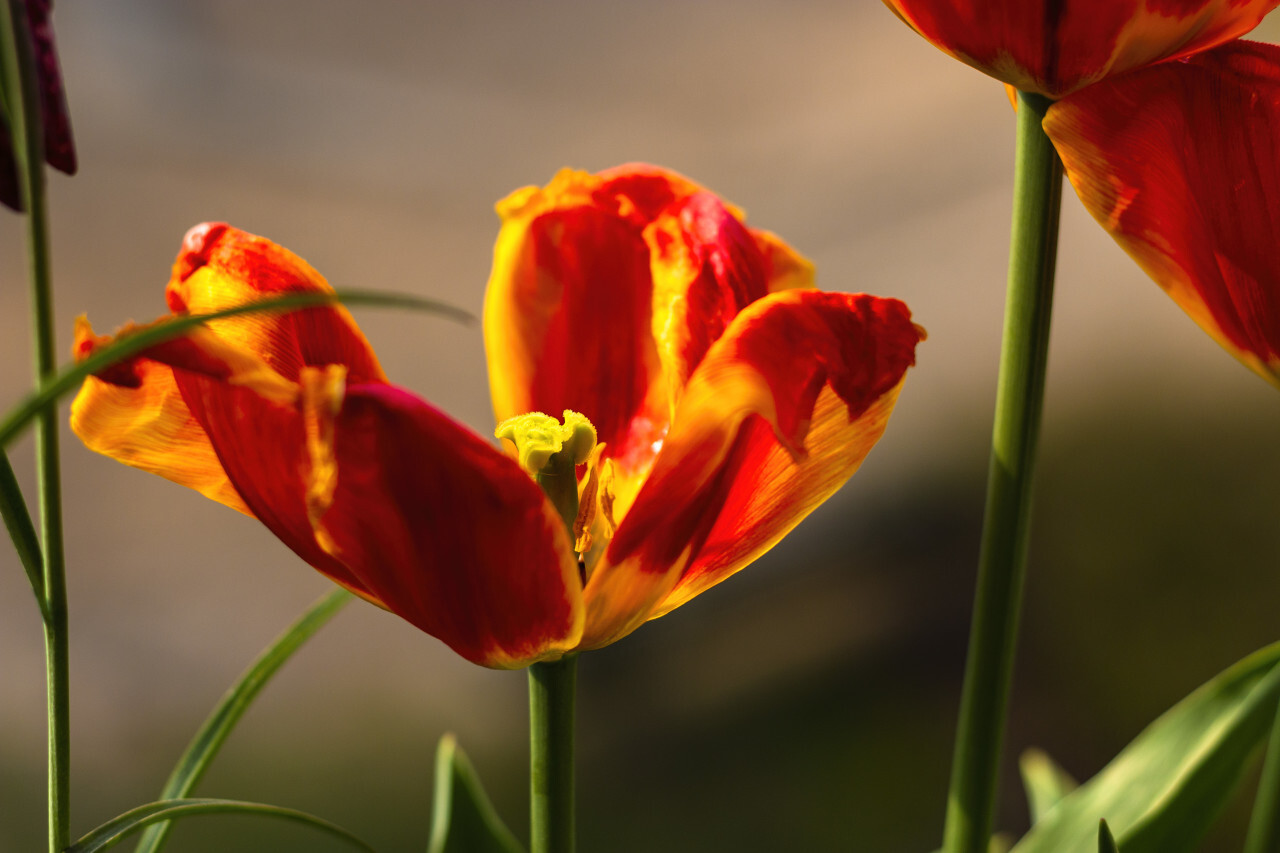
988,674
551,697
23,102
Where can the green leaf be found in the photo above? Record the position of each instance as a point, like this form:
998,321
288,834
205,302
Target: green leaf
462,818
1264,823
69,378
1044,781
17,520
113,831
217,727
1163,791
1106,842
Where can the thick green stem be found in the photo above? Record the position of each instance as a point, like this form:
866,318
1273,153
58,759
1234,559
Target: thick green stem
1264,825
1002,559
23,102
551,700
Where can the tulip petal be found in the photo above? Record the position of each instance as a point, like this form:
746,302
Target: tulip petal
143,422
567,310
708,266
221,267
444,529
778,415
1180,163
1058,48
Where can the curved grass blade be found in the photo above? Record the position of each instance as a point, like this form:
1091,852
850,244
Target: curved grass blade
206,743
1163,791
17,520
67,379
115,830
463,820
1045,782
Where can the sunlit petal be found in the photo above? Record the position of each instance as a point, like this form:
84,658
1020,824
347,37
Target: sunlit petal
567,311
778,415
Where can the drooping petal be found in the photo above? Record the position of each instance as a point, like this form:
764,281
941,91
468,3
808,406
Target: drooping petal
444,529
1059,47
1180,163
141,420
220,267
135,412
778,415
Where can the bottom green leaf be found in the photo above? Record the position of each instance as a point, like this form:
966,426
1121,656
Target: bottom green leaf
1045,782
463,820
115,830
1163,791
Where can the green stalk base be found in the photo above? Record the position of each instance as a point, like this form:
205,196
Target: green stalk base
1006,522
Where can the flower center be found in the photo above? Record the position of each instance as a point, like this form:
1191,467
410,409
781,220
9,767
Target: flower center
551,451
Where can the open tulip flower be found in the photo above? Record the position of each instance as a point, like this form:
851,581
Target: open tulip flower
713,400
1169,129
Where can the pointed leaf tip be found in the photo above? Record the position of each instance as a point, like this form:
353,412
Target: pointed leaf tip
463,819
1106,843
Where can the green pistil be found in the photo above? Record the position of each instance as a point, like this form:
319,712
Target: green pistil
551,451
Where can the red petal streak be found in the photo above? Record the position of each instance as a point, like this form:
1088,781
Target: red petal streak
706,268
262,448
1058,46
449,533
1181,164
740,461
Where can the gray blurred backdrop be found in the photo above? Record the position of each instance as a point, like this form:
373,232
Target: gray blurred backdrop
808,704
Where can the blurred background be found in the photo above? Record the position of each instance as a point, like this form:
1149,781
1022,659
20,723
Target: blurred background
809,703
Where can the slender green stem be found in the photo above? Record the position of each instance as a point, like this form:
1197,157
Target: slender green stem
1002,559
1264,825
551,699
23,100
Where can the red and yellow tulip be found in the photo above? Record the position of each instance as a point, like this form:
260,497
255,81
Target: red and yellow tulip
1168,126
728,398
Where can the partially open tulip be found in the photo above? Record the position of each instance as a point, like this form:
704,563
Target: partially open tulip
59,150
712,408
1167,126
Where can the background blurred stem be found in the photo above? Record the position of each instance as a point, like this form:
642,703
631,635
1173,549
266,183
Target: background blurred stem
1037,194
551,699
23,102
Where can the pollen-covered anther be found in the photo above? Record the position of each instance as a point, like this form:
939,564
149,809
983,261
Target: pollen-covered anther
541,441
